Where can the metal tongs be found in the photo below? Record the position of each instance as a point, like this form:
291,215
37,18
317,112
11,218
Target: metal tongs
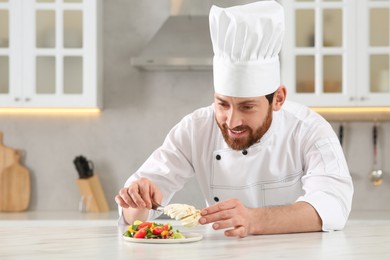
157,207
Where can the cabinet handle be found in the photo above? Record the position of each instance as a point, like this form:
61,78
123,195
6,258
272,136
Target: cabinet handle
27,99
363,98
351,98
17,99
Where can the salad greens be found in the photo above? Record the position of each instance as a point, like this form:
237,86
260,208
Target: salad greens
152,230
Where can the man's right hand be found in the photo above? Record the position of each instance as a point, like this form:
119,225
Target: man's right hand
139,195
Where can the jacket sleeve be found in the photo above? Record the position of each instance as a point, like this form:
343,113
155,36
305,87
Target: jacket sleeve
327,183
169,167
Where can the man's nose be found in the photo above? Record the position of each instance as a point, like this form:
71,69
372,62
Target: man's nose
233,119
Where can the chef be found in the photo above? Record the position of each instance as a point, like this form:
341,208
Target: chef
264,165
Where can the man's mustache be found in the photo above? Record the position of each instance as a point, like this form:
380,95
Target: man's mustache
237,128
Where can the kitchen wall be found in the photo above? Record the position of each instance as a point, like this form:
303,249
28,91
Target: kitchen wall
139,109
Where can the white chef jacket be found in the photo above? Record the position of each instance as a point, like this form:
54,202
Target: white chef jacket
298,159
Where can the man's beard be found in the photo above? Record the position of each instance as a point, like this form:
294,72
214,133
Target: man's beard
252,138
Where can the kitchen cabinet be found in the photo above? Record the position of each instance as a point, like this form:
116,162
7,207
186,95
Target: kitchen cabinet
336,52
50,53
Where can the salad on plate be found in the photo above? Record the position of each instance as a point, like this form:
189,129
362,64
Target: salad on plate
152,230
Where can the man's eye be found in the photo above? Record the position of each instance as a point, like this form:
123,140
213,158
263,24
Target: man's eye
247,107
223,104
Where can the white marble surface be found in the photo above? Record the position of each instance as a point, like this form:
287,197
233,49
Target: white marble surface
92,237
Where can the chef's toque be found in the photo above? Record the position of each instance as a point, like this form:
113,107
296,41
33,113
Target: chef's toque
246,41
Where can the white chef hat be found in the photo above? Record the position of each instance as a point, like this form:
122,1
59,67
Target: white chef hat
246,41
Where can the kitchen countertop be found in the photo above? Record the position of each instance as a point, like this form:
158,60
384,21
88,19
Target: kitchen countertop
66,235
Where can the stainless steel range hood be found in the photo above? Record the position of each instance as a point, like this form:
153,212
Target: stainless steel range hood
183,41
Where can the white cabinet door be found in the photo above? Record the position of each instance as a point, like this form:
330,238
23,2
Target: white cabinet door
10,53
326,53
373,48
58,41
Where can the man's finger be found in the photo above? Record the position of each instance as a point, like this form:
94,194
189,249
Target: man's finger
135,196
236,232
121,202
125,197
222,215
144,192
224,205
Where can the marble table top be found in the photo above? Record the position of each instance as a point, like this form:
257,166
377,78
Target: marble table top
94,237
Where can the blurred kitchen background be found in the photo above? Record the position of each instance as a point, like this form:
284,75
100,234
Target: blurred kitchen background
142,103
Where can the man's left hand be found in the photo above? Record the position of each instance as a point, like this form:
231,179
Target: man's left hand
231,215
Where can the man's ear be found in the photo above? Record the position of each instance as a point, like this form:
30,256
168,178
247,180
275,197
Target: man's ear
279,98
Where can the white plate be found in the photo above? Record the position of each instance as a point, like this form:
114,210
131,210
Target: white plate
189,237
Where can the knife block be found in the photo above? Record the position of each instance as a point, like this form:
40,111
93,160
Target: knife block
92,192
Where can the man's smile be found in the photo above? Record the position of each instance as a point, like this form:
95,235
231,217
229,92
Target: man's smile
237,133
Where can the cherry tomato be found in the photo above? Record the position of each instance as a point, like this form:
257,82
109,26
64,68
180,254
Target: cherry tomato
167,227
145,225
157,230
140,233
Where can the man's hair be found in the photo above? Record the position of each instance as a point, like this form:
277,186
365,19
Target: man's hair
270,97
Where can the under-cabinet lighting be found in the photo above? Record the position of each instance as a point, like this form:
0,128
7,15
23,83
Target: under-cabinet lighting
49,111
354,113
354,110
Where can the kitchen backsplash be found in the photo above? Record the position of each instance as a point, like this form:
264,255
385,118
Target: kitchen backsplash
139,110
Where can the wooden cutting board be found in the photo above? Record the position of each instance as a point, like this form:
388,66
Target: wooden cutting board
7,155
15,186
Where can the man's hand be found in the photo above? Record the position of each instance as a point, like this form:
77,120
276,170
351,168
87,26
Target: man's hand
241,221
139,195
231,215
